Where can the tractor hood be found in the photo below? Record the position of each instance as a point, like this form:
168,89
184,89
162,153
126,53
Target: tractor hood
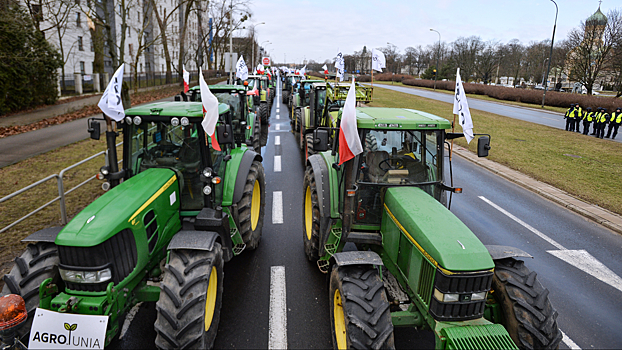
436,230
123,207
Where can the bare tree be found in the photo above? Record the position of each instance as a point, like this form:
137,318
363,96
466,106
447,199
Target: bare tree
465,51
393,58
144,43
486,60
227,16
592,46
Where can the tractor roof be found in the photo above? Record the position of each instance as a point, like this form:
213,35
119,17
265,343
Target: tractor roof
398,118
227,87
173,109
309,81
257,76
322,84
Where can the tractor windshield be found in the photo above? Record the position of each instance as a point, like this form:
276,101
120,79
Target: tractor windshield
394,158
161,145
234,100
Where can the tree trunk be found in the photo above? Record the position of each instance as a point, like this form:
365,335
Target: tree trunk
182,40
164,39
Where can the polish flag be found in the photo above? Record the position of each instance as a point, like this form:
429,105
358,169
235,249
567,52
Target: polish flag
186,79
325,69
210,111
349,141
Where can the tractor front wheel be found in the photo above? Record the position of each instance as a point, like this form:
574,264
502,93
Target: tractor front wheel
264,113
252,206
257,135
36,264
359,309
527,313
298,119
309,144
285,96
311,216
188,311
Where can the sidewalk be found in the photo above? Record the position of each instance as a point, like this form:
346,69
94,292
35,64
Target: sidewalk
593,212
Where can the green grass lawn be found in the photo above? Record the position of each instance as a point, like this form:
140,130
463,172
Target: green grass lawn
536,150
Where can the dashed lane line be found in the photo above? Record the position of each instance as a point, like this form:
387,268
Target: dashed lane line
277,317
277,164
277,140
277,207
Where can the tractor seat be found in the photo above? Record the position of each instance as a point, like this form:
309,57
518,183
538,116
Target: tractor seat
373,161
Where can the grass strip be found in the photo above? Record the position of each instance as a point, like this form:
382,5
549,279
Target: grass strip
544,153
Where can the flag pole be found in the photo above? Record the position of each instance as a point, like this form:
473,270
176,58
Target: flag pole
453,127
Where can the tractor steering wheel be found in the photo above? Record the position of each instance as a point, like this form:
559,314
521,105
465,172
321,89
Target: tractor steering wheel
391,164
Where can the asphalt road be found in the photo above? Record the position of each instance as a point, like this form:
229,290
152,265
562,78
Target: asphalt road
552,119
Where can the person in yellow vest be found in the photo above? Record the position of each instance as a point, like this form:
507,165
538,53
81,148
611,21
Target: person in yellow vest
604,119
614,123
597,115
567,116
587,120
578,116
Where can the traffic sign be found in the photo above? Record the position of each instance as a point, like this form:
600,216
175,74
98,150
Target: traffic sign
265,61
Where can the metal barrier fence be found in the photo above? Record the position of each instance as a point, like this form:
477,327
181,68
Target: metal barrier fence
61,190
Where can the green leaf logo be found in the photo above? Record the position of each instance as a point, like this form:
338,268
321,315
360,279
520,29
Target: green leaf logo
73,327
67,326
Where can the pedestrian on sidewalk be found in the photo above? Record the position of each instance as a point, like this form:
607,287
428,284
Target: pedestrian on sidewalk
587,120
568,117
578,116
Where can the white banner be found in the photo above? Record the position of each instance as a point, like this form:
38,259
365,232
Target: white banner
241,70
54,330
461,108
111,103
378,60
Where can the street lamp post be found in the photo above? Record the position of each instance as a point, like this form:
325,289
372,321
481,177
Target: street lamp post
550,57
253,44
438,55
265,41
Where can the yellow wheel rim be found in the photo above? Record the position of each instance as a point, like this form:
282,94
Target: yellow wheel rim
340,321
308,213
255,205
210,300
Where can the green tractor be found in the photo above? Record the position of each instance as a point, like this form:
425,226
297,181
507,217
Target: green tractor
323,110
176,212
288,87
265,97
245,122
300,97
416,264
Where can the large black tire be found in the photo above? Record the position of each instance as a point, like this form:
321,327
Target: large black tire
251,207
257,135
359,309
309,144
310,216
190,297
36,264
264,113
298,119
528,315
285,97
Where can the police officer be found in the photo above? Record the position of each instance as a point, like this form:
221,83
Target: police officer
567,117
612,122
578,116
597,115
604,119
587,120
616,120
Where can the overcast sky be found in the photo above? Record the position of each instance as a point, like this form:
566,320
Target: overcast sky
316,29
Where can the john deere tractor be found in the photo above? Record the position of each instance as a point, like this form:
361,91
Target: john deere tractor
265,97
300,98
245,122
415,264
288,87
325,102
177,211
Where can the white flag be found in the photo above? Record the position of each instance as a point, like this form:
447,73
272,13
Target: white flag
241,70
186,79
210,110
340,73
377,60
349,141
111,103
461,108
303,70
339,63
325,68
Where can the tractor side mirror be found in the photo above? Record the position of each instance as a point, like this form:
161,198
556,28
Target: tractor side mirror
94,129
320,140
225,134
483,145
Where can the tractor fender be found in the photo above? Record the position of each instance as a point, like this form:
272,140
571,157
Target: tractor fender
498,252
357,258
322,183
46,235
200,240
240,180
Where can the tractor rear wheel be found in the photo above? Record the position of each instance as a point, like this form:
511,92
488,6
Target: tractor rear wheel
298,119
309,144
359,309
257,135
285,97
311,216
528,315
251,207
188,311
36,264
264,113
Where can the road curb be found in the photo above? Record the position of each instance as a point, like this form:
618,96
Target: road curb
592,212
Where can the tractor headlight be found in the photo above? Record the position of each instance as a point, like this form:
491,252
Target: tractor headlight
174,121
207,172
138,120
128,120
446,298
185,121
85,276
478,296
207,190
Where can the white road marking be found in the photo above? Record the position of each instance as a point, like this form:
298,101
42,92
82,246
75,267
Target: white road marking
128,319
277,164
277,117
569,343
580,259
277,327
277,140
277,109
524,224
277,127
584,261
277,207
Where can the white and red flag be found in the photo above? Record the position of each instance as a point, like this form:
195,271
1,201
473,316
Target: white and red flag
210,111
349,141
260,69
186,79
325,69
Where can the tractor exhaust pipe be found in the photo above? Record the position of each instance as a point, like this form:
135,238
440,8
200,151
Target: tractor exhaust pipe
114,174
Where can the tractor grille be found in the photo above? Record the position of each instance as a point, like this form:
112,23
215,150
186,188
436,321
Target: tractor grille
119,253
464,285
